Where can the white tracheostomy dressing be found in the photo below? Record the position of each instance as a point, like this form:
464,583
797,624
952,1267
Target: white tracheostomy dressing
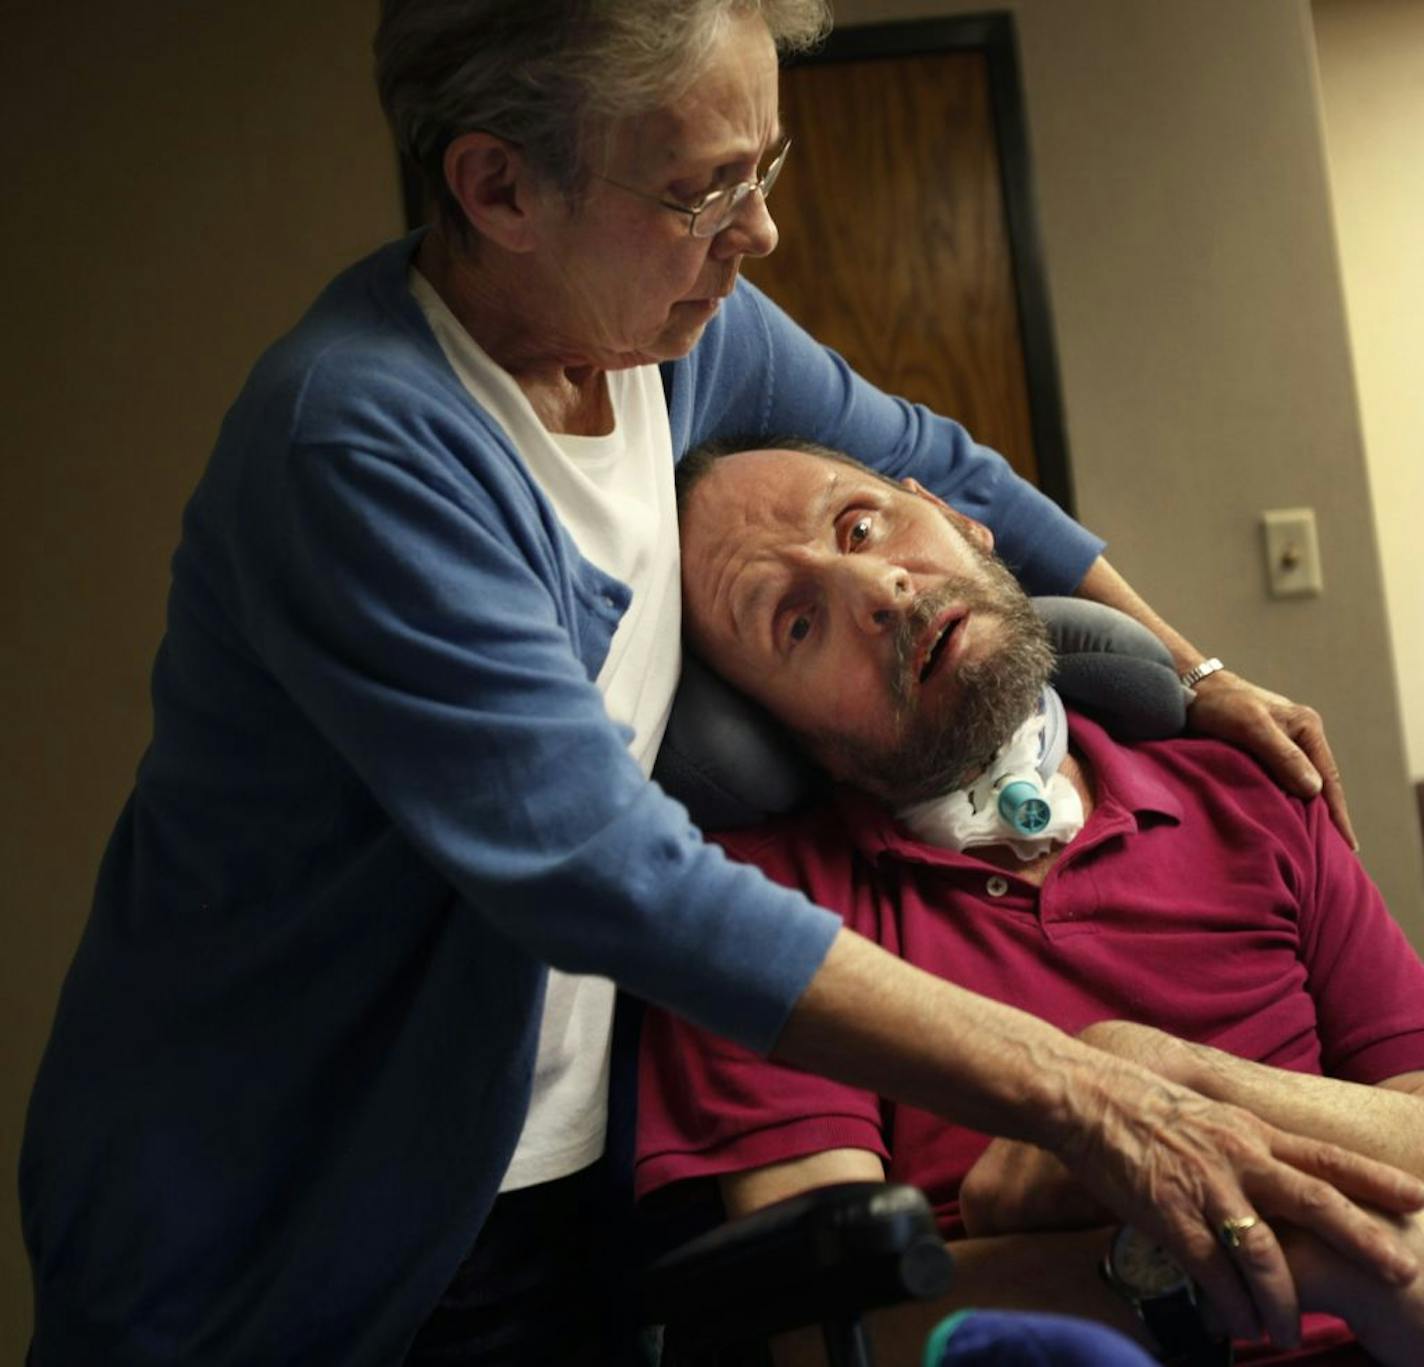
1019,799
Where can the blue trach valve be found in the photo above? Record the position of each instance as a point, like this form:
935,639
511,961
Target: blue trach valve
1022,807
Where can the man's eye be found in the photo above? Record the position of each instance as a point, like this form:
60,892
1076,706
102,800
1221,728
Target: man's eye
859,532
800,629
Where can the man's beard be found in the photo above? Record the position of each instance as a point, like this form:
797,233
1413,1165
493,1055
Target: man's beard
940,747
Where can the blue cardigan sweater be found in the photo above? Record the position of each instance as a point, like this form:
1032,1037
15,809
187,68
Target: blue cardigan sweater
291,1058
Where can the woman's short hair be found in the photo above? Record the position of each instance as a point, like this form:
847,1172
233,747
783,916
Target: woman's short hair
549,74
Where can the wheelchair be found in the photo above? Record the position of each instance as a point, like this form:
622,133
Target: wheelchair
824,1257
828,1256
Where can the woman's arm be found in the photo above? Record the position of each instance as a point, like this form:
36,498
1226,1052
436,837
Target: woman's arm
1157,1154
1016,1186
1057,1271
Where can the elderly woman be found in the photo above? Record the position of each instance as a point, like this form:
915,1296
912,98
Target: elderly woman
328,1080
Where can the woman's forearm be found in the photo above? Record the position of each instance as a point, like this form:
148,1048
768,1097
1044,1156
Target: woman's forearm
1103,584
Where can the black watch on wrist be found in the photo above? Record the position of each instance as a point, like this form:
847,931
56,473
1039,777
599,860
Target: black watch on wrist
1153,1283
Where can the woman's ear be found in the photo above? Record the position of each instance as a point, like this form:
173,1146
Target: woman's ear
490,180
977,532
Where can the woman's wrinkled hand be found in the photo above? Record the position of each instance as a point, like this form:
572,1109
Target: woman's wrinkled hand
1287,737
1178,1165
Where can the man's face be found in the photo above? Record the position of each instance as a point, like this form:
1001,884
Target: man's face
624,282
866,616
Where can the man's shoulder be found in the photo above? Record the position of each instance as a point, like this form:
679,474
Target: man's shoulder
1186,765
1211,800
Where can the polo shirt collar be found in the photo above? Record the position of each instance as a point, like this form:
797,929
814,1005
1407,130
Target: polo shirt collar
1129,791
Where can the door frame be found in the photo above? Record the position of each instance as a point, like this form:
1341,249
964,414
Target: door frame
995,35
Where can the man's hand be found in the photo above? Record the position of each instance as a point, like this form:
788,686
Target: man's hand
1388,1322
1206,1164
1018,1188
1158,1154
1197,1163
1288,738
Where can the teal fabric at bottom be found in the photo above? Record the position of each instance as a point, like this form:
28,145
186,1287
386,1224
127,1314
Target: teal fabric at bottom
939,1337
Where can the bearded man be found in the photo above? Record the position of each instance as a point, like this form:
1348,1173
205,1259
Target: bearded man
1163,900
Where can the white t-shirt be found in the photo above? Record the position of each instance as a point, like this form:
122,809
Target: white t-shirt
614,495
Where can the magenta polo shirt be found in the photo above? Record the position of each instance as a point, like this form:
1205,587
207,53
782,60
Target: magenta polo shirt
1199,898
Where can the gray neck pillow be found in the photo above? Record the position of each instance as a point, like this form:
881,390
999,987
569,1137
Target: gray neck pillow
731,764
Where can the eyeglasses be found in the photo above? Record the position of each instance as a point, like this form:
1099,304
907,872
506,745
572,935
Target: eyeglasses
715,210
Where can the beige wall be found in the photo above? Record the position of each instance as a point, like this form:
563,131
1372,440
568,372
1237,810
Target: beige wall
179,180
181,177
1372,73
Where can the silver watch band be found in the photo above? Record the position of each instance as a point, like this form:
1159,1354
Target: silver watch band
1199,672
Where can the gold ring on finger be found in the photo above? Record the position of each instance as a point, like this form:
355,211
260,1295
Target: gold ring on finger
1229,1232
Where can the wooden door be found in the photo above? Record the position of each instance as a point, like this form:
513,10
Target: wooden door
896,241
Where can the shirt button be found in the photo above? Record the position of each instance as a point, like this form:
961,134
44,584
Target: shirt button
996,886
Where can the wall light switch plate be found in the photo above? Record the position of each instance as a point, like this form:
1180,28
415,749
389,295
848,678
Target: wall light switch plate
1292,552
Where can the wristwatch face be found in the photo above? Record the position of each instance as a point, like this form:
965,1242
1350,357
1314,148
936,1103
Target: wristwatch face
1152,1281
1144,1266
